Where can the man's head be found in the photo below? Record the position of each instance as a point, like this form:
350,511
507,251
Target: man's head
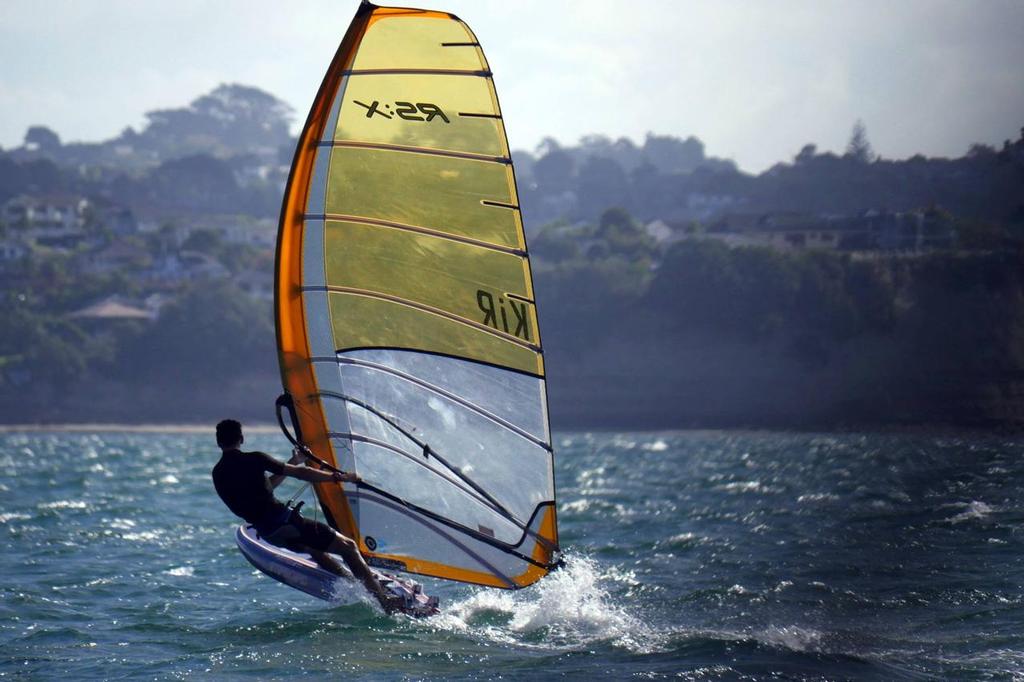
229,434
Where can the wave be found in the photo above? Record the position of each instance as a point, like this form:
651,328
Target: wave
569,609
974,510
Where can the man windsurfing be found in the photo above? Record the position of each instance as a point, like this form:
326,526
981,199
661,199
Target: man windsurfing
241,482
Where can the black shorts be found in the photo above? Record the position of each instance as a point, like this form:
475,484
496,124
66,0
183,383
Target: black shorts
300,534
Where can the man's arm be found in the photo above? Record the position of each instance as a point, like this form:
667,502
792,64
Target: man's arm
278,479
296,469
305,473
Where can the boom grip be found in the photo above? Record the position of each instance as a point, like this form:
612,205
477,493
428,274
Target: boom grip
285,401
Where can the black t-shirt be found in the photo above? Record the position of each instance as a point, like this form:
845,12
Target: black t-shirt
240,481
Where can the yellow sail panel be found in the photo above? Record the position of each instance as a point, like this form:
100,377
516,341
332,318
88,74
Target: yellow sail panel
394,324
454,195
396,109
420,40
470,282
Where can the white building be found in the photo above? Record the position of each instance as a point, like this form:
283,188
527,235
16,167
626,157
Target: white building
46,217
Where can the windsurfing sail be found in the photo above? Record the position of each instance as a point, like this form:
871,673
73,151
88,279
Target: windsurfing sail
406,323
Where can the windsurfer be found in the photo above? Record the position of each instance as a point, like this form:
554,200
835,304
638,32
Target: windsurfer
241,483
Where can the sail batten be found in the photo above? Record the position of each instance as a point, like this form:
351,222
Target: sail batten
416,72
414,228
504,160
408,333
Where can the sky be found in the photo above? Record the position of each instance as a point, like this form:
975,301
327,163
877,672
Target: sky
755,80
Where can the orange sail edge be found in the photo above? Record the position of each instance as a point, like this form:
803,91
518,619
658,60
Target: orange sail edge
396,12
548,531
294,356
437,570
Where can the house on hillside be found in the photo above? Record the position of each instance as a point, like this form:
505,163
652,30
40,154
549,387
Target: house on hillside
260,233
701,206
793,231
112,308
107,215
233,229
172,270
660,232
167,272
171,232
906,231
54,212
117,256
64,220
202,266
155,302
668,232
735,223
51,220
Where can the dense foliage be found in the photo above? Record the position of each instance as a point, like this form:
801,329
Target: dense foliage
637,332
727,336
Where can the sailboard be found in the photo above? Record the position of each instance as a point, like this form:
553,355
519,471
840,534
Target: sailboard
406,324
302,572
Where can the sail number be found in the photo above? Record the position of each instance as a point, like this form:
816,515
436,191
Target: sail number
408,111
508,315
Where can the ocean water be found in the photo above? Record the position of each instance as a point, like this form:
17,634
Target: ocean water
692,555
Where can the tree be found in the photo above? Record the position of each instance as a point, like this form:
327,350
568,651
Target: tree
858,148
555,244
623,235
42,138
49,348
554,170
228,120
199,183
212,333
601,183
546,146
204,240
672,155
981,151
806,153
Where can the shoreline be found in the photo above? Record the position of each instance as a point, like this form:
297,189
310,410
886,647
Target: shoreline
269,427
128,428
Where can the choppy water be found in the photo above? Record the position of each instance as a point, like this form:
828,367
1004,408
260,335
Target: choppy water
700,555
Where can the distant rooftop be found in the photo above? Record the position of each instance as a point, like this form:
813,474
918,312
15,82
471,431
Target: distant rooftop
112,309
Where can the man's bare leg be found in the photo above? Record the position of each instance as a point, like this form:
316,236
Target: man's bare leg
327,563
346,548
